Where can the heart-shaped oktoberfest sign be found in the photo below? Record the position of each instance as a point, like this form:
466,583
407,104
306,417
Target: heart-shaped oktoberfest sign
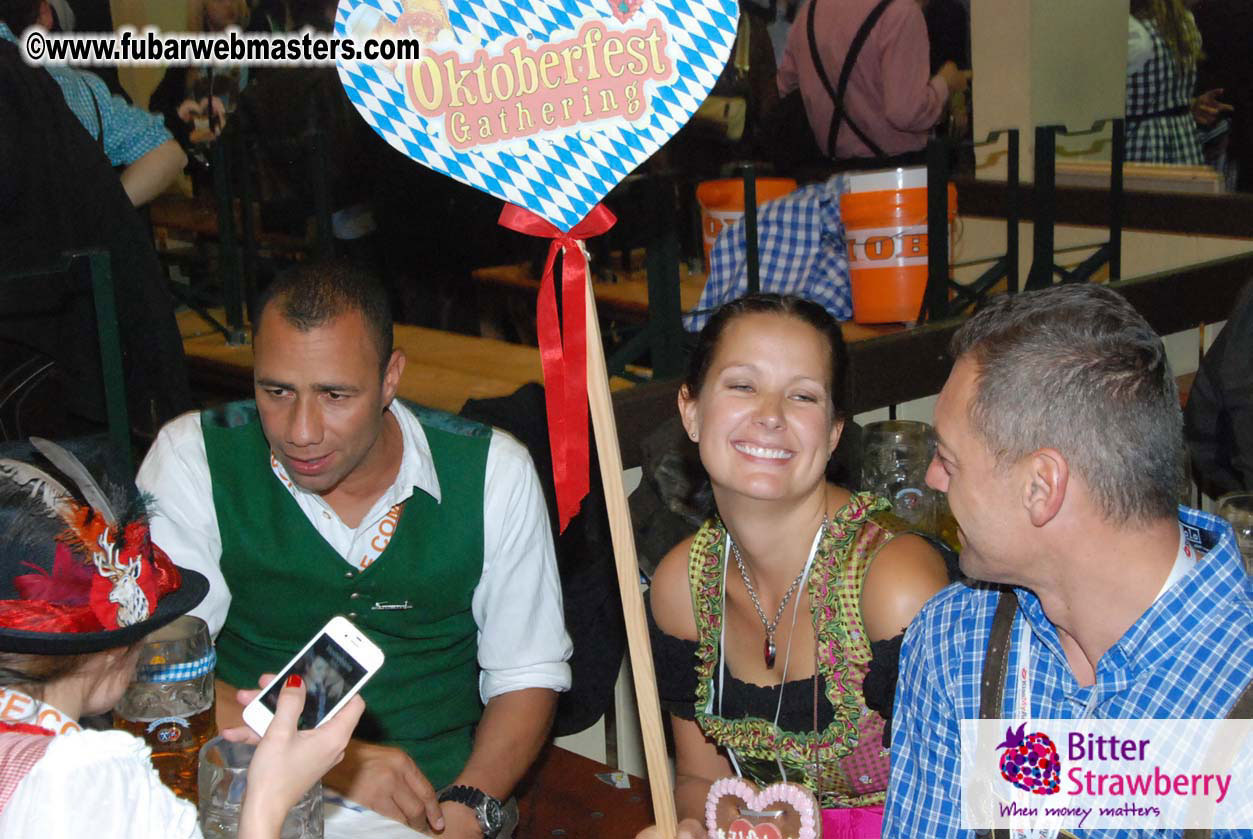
546,104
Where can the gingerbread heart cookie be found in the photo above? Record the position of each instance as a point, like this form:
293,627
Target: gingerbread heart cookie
736,809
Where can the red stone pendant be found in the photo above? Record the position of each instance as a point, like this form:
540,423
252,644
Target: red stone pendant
769,652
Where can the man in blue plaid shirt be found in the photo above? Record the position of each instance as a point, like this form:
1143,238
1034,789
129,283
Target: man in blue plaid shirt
1060,450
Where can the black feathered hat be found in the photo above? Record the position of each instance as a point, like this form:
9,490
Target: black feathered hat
74,576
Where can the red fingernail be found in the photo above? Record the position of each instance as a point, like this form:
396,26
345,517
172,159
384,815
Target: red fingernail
294,680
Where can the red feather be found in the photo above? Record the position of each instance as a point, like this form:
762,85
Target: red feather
69,583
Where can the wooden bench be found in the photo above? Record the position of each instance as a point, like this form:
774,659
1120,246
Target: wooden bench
178,217
442,370
507,294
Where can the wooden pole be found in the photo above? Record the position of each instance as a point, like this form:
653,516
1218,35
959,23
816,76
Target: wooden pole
628,575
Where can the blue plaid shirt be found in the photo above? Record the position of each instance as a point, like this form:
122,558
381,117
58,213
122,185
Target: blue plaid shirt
1189,656
129,132
800,245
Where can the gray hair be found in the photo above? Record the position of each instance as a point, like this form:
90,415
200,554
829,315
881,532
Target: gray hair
1077,369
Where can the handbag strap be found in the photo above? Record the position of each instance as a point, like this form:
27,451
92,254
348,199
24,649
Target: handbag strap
838,115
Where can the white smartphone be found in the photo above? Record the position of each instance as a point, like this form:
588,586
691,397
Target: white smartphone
334,665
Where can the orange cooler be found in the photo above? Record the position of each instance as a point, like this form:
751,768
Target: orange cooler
722,204
885,224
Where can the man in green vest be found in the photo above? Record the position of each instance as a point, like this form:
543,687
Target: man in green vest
326,495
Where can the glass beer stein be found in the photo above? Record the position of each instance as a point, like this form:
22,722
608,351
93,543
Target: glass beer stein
1237,509
223,781
170,703
895,457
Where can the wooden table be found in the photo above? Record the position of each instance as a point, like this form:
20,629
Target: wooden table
562,796
442,370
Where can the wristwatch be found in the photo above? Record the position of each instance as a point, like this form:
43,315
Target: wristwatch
490,812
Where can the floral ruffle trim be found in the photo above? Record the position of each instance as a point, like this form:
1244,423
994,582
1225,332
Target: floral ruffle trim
758,738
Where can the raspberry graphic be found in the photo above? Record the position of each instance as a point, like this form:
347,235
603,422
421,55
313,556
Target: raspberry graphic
623,9
1030,762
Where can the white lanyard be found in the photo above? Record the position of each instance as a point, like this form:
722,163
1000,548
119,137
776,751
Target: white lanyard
1022,708
1185,560
787,655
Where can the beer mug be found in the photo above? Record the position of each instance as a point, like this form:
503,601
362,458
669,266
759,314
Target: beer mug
223,781
895,457
1237,509
170,703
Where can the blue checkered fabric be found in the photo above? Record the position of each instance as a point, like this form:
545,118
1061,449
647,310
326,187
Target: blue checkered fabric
1154,136
180,672
801,251
1189,656
129,132
559,177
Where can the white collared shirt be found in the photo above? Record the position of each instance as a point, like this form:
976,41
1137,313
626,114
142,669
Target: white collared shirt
100,784
522,641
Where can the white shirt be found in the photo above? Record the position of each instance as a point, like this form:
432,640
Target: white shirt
99,784
522,640
1139,45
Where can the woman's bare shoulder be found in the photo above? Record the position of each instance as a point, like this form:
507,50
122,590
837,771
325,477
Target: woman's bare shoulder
905,573
671,593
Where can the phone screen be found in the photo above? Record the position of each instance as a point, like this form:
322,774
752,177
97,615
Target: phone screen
329,672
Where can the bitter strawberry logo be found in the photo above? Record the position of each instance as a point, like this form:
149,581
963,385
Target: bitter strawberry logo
1030,761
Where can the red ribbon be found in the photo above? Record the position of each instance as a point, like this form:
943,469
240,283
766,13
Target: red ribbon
563,348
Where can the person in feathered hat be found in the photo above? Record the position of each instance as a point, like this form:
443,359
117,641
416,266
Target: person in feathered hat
80,588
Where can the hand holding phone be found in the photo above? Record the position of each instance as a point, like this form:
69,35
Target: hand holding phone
286,761
334,666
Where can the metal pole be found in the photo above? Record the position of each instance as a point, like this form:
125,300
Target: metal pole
1041,274
1117,155
1012,212
935,298
97,267
750,227
230,267
664,303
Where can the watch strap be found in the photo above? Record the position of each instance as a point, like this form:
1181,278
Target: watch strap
476,800
470,796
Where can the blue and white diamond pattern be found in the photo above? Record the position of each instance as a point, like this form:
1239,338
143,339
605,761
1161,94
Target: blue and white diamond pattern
560,177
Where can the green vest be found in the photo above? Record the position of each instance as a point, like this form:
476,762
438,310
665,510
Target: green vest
286,582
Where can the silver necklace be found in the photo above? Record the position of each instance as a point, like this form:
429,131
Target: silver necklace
769,649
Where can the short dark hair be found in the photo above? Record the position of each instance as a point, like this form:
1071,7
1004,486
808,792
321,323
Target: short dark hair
788,305
18,15
1077,369
313,294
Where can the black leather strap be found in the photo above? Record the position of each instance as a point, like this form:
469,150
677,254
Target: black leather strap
838,115
996,661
